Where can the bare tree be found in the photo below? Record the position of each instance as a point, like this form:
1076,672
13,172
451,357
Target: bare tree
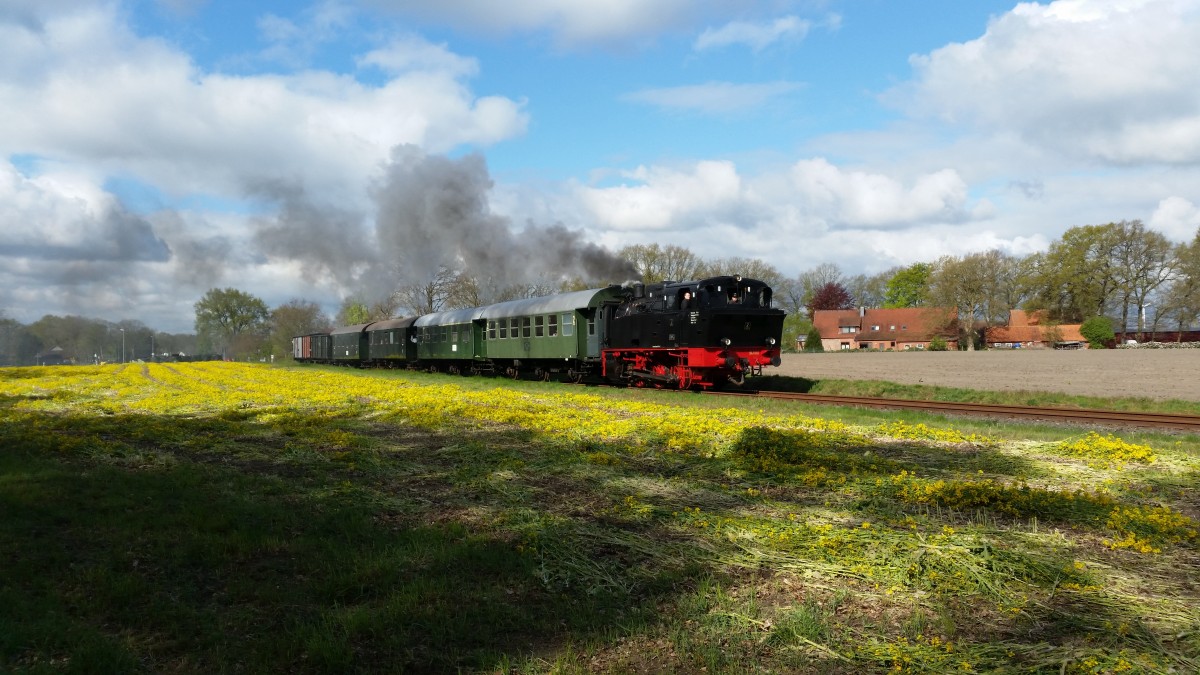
1143,261
973,287
658,263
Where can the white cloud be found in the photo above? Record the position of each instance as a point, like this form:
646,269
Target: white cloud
713,97
662,198
812,194
1176,218
412,53
86,89
86,101
862,199
570,22
1113,81
756,36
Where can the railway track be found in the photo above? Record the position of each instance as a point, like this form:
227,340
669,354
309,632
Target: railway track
1072,415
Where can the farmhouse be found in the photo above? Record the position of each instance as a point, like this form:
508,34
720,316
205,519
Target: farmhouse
1032,330
885,329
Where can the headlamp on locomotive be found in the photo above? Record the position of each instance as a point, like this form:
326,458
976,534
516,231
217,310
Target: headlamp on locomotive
699,333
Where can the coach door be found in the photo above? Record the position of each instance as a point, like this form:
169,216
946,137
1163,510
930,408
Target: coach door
594,329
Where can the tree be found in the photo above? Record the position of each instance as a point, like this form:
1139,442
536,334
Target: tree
1098,331
352,311
868,291
812,342
1181,300
830,296
227,320
295,317
657,263
1143,261
17,345
1076,278
908,286
800,291
750,268
977,287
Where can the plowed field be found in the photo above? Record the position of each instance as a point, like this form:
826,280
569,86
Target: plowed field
1108,373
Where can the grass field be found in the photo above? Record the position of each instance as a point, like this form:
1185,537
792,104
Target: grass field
215,517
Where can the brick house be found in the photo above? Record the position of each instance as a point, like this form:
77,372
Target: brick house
885,329
1031,330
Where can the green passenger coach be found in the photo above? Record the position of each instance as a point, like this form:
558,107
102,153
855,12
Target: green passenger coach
450,340
390,344
556,334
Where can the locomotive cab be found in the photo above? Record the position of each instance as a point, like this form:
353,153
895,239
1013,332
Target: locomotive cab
694,333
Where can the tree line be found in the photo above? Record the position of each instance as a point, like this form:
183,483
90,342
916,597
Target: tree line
1123,272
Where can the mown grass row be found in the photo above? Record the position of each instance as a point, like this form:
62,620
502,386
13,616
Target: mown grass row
233,518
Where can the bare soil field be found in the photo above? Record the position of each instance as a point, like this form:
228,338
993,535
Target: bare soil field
1108,373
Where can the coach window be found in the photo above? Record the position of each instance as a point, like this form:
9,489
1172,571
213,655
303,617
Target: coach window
503,328
514,330
491,333
525,326
568,324
552,328
539,326
591,325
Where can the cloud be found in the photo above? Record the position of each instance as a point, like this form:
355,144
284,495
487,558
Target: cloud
1176,218
571,23
810,195
713,97
63,219
1101,80
86,100
862,199
756,36
414,54
86,90
663,198
294,43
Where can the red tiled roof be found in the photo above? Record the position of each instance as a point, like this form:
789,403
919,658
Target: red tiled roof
910,324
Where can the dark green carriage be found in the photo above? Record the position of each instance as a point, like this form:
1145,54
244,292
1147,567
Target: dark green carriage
390,343
451,340
349,344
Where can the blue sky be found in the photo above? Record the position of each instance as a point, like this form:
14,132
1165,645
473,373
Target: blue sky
153,149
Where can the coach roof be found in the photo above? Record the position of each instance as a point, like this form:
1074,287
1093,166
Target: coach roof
563,302
451,317
389,324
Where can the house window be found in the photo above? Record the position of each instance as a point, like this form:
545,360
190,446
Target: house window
875,327
846,346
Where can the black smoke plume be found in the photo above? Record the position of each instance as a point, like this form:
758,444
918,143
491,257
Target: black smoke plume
433,212
431,215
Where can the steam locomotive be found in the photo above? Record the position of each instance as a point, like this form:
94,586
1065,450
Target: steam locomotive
687,334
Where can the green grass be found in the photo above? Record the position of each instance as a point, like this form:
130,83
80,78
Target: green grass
263,539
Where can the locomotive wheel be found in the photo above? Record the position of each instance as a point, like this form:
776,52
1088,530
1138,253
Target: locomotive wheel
574,377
